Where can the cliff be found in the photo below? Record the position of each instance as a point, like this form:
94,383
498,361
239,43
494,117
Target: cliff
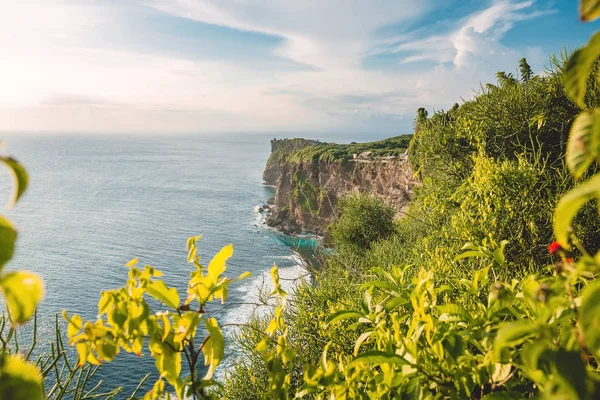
310,176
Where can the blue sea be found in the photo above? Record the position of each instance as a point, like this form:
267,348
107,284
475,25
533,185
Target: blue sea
97,201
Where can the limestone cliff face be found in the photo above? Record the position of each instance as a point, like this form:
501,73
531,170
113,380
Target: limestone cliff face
307,191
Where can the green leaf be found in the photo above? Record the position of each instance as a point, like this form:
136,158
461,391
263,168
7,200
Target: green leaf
214,347
569,205
501,372
107,349
512,334
19,380
361,339
191,254
160,291
499,252
453,312
20,179
8,236
186,326
589,314
470,254
502,396
379,357
105,302
132,263
570,374
577,70
395,303
244,276
342,315
217,265
583,146
168,361
22,290
590,10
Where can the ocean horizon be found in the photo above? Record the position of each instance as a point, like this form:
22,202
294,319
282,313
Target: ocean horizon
97,201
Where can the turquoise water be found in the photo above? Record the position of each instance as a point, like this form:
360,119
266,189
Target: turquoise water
95,202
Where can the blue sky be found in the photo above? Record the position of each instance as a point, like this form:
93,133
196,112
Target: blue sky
261,65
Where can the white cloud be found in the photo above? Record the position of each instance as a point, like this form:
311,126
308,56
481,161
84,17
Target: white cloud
53,76
322,33
476,40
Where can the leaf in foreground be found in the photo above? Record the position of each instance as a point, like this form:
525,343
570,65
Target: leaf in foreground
569,205
19,380
8,236
22,290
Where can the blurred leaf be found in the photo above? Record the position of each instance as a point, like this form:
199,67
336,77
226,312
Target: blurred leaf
19,380
512,334
105,302
22,290
168,361
192,254
8,236
454,312
569,205
132,262
589,314
501,372
20,179
160,291
583,146
244,276
570,373
590,9
578,68
214,347
502,396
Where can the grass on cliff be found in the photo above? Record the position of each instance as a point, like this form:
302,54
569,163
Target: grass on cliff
333,152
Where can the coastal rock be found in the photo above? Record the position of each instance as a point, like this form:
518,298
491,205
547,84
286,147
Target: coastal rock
307,191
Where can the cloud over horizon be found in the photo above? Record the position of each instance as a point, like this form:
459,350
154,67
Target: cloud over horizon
230,65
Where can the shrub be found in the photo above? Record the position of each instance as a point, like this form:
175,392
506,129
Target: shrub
362,221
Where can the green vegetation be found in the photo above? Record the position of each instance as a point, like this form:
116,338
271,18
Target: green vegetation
363,220
466,296
305,193
314,151
22,291
126,322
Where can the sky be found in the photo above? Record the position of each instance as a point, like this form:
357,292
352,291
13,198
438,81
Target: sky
127,66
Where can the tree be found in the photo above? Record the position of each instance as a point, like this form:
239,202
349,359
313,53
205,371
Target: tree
505,79
525,70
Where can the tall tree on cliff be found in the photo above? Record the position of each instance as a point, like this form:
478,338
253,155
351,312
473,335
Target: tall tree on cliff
525,70
421,118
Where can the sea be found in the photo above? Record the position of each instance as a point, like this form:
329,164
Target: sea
96,201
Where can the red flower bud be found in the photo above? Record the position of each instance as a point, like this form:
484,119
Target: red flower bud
554,247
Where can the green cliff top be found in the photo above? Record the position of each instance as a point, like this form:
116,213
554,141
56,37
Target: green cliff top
302,150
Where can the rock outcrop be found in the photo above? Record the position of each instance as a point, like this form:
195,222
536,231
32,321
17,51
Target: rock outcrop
307,190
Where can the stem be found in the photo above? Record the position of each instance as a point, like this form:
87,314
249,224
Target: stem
578,333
